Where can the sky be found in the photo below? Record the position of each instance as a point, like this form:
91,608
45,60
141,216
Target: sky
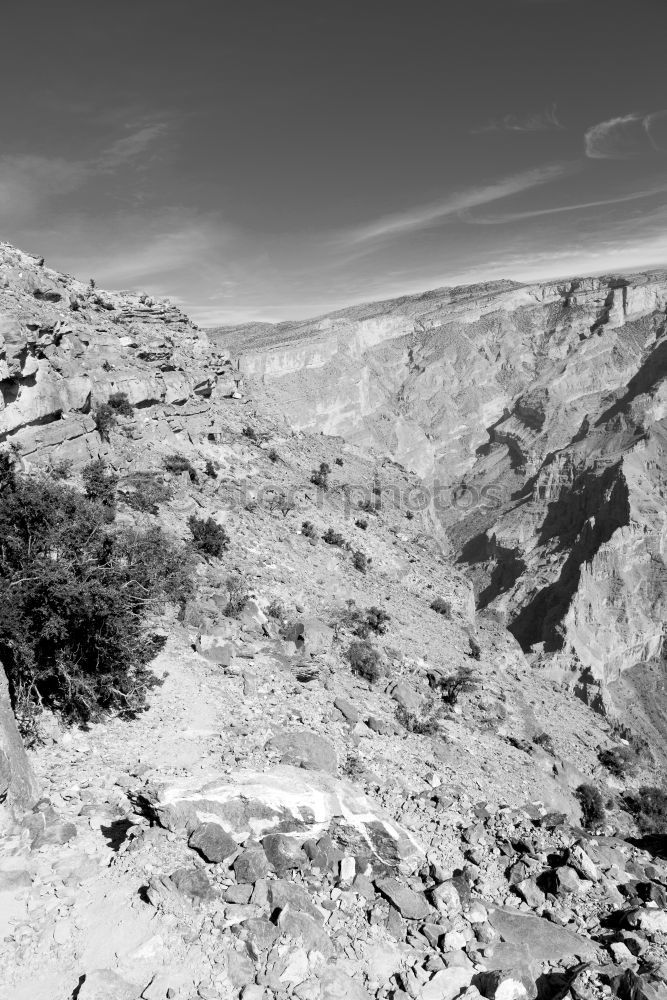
276,159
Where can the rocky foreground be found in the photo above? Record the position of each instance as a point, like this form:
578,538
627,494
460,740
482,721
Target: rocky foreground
277,824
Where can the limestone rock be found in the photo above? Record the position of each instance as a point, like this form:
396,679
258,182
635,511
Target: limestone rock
18,787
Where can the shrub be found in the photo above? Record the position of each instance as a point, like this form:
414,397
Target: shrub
362,523
422,725
179,463
332,537
452,686
62,469
277,610
238,596
99,484
442,607
619,761
120,404
409,514
367,506
365,660
592,805
148,493
273,455
210,469
360,561
545,741
339,460
105,420
475,650
308,529
250,433
376,620
649,808
74,600
320,479
282,502
208,536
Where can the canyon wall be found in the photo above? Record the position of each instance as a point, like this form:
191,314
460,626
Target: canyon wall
535,415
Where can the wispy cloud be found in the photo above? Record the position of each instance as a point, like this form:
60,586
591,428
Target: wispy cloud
494,220
627,136
425,216
541,121
28,181
130,148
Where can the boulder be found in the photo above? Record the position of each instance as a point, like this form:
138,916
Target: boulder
304,749
309,635
545,941
410,904
211,841
282,799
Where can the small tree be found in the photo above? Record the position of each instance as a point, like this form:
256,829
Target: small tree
99,484
452,686
105,420
238,596
208,536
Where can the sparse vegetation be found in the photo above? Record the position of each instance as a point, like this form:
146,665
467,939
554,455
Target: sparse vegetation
320,477
238,596
208,536
365,660
120,404
360,561
308,530
620,761
332,537
210,469
105,420
249,432
74,600
147,491
442,607
283,502
362,523
277,610
409,515
62,469
273,455
474,648
592,805
368,506
177,464
338,460
373,620
648,806
421,725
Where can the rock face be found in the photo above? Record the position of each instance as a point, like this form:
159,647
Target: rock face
536,415
18,788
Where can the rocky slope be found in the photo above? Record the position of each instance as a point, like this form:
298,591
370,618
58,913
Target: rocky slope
276,825
535,416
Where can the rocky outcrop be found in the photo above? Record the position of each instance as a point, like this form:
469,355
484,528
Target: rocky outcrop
18,787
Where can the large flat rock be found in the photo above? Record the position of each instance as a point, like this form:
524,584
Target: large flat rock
284,799
544,941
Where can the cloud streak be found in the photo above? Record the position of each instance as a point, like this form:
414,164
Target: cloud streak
541,121
425,216
495,220
627,137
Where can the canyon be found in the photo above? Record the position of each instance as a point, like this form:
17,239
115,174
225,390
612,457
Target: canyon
535,417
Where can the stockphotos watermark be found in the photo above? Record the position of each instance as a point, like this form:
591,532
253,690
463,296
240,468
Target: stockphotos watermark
355,499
